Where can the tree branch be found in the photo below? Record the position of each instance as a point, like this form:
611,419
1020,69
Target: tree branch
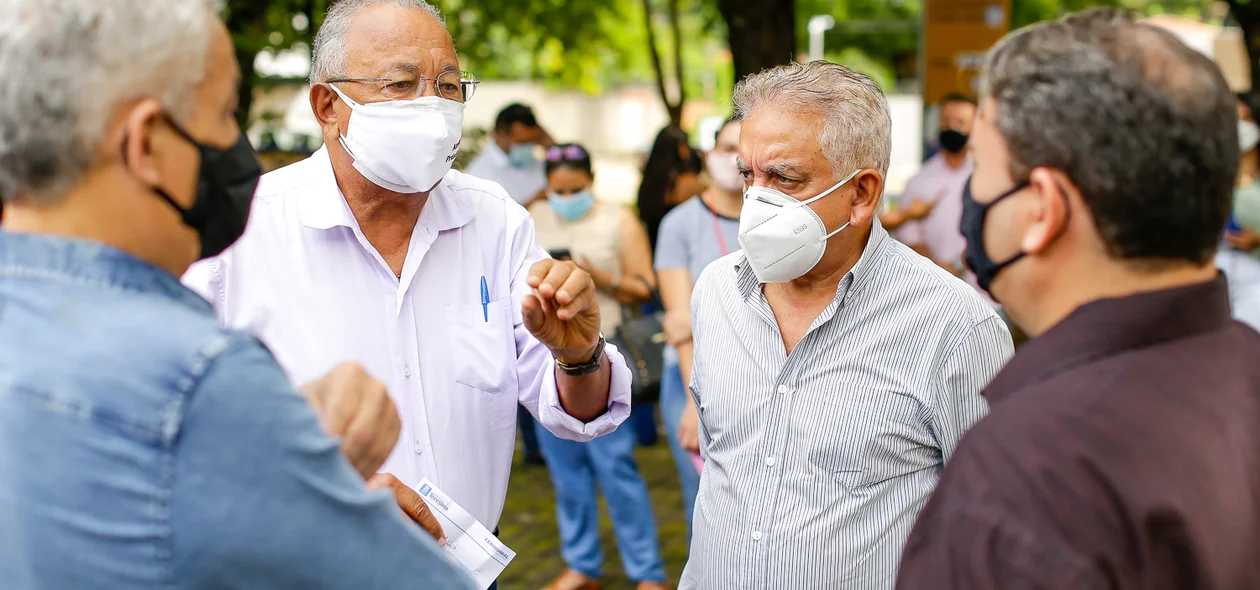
656,56
678,64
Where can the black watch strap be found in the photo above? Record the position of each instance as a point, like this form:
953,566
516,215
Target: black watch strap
588,367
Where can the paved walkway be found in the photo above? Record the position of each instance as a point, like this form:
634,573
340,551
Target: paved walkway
528,525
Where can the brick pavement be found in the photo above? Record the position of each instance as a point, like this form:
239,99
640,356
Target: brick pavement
528,524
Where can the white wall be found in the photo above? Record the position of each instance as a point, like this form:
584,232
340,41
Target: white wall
618,127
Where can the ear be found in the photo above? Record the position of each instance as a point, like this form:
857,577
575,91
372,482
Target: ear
1049,211
868,187
137,141
324,104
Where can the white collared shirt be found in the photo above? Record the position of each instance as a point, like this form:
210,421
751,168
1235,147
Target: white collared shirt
522,184
314,290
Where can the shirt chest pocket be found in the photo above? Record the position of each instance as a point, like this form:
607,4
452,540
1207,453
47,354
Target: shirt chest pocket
483,346
865,437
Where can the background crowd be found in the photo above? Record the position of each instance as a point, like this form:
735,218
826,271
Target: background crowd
664,276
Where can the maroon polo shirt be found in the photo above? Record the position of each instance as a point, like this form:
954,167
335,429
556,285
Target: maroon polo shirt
1122,451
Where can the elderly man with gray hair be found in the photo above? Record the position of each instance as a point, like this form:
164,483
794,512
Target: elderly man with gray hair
142,444
374,250
835,369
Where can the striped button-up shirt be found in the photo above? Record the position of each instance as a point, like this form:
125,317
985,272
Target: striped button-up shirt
818,461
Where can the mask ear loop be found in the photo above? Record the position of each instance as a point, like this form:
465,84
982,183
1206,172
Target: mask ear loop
833,188
827,192
1057,234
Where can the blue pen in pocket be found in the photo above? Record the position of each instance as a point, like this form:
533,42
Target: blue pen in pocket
485,300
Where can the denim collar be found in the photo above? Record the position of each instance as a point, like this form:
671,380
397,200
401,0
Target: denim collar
58,259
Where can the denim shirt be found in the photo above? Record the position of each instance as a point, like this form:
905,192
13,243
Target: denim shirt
143,445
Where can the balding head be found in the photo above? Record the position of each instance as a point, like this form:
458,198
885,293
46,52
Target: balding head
1143,125
856,124
332,43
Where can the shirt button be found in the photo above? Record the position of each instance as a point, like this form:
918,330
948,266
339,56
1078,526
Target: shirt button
783,389
406,370
419,449
770,461
756,535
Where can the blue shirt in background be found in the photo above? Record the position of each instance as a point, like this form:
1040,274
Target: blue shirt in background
143,445
692,236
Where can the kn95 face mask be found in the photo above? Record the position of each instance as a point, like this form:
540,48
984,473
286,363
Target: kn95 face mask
405,146
782,237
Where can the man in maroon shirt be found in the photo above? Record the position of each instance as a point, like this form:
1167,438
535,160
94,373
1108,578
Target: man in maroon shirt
1123,446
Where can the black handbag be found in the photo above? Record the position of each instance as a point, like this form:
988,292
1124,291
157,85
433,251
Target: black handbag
641,341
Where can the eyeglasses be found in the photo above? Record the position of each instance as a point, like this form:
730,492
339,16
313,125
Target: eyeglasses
566,152
451,85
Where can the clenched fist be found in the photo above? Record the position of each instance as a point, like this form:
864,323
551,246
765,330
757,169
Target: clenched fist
354,407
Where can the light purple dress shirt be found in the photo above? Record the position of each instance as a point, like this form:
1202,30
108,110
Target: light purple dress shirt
307,282
940,186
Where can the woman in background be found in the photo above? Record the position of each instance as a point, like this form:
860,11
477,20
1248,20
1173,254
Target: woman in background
607,241
670,176
1239,258
694,234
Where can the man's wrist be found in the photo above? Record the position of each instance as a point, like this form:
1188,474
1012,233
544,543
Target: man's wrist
581,362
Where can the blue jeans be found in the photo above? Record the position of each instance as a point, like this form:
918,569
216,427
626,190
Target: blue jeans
673,402
575,469
525,422
642,421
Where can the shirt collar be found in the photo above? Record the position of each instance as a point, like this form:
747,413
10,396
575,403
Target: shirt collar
1108,327
325,207
852,282
53,257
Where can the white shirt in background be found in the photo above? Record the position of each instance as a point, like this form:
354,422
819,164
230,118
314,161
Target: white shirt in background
310,286
522,184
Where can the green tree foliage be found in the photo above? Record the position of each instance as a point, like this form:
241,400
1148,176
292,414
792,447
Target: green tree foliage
593,46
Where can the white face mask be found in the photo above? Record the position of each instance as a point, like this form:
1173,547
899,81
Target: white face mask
1248,136
724,172
782,237
405,146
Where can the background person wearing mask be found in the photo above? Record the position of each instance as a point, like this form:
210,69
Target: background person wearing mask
608,242
142,444
373,249
671,175
1243,234
510,157
695,233
1121,451
933,197
835,370
1239,258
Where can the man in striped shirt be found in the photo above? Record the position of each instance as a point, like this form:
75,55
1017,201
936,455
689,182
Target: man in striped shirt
835,369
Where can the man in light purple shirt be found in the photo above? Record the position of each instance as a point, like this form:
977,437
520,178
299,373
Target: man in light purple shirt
372,250
939,187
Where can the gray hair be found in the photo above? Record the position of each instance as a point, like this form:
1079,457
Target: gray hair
1143,125
65,66
857,125
328,59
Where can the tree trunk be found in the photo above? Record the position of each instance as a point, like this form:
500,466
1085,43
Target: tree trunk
762,34
246,19
673,108
246,59
1248,17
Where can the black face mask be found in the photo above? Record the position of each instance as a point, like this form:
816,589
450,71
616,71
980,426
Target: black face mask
952,141
225,192
972,228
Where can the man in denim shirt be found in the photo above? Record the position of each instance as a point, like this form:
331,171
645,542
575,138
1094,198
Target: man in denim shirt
142,445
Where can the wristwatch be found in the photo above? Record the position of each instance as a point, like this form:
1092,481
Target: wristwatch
588,367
